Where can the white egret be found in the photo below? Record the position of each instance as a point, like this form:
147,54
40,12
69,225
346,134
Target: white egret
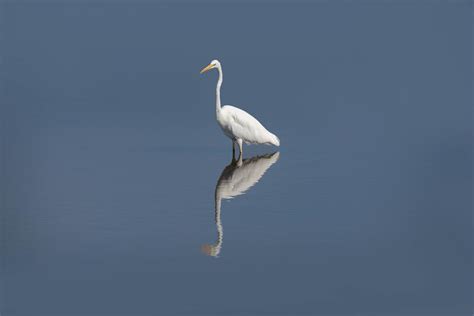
237,124
235,180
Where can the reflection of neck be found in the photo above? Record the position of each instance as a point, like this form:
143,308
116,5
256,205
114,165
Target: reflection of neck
220,230
218,90
235,180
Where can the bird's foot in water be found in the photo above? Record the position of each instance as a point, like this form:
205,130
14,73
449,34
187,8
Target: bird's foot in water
239,161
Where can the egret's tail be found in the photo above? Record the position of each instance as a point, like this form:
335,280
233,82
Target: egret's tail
275,140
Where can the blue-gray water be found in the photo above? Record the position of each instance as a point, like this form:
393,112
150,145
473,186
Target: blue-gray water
111,156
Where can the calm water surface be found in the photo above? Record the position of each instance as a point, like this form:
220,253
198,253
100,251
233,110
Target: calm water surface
118,192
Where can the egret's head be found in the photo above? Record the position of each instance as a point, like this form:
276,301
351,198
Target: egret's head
214,64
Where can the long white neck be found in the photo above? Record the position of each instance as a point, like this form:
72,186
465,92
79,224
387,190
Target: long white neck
218,90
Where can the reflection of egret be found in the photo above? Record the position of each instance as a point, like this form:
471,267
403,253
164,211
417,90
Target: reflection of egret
237,124
235,180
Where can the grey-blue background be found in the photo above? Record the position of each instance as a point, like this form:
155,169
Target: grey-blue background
110,156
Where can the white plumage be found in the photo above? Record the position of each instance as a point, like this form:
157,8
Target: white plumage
237,124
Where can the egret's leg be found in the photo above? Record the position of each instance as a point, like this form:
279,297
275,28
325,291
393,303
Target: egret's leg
239,141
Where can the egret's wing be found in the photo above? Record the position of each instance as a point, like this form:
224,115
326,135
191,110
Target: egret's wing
247,127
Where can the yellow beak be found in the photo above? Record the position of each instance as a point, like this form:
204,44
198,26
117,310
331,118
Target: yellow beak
207,68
